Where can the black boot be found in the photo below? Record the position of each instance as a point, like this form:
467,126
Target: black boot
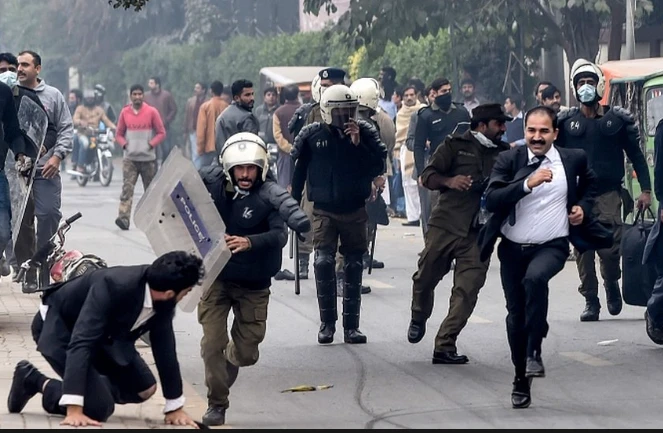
352,269
303,266
325,284
521,396
31,283
613,298
592,309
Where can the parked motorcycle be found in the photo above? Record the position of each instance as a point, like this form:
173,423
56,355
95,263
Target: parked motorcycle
63,265
100,168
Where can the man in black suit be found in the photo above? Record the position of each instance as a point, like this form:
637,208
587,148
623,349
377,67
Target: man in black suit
86,329
541,197
654,248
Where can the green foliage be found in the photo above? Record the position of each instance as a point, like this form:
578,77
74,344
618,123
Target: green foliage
137,5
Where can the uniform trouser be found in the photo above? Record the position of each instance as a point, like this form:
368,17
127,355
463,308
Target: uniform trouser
44,203
440,250
107,383
248,329
607,208
370,230
130,171
655,303
350,230
525,272
306,247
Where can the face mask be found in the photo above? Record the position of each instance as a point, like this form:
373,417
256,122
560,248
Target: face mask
587,94
9,78
443,101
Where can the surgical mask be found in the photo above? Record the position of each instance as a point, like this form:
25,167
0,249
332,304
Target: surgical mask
9,78
443,101
587,94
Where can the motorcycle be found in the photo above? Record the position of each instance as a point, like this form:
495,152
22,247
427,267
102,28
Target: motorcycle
273,152
101,167
63,265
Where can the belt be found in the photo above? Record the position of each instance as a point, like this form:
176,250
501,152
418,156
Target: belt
528,246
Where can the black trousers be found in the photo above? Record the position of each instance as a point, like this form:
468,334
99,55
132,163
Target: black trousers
525,271
107,383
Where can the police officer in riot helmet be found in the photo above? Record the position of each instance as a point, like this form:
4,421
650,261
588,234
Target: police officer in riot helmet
605,137
338,159
254,209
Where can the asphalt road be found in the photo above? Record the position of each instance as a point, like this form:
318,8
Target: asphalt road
605,374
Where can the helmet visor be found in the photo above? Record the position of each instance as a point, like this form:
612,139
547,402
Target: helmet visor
341,116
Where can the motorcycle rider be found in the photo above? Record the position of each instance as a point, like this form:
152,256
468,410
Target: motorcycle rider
605,134
338,159
86,118
253,208
99,94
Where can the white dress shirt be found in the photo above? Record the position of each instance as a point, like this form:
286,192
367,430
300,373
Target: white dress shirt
541,215
146,314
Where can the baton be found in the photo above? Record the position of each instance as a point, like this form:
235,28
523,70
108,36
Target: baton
296,248
292,241
370,262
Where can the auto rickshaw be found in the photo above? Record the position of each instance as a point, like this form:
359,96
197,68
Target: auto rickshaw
280,76
637,85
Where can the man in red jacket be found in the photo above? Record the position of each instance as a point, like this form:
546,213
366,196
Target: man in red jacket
139,131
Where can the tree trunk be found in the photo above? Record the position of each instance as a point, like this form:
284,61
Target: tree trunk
617,20
581,30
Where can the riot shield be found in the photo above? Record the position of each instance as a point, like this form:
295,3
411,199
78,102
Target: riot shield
33,121
177,213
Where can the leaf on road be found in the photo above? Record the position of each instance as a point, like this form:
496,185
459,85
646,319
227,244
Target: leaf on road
306,388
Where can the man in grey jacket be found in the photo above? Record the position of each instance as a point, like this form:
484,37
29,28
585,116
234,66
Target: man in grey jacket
47,187
238,117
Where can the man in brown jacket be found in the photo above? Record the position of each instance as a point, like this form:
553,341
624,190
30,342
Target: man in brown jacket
191,116
209,111
164,102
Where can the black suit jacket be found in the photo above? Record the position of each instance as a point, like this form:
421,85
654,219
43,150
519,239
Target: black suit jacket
505,189
92,316
655,237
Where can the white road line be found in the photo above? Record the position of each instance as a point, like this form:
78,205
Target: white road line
586,358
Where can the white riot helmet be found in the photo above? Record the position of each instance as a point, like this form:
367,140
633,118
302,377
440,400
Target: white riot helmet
316,88
582,68
368,91
338,105
241,149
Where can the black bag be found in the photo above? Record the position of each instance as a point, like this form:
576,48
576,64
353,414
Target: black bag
637,279
377,211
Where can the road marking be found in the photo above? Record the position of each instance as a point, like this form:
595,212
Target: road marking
586,358
479,320
375,284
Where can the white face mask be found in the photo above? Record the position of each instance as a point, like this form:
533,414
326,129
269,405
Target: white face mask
9,78
587,94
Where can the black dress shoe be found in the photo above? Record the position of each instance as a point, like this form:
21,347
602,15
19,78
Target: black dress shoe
416,331
231,373
353,336
591,312
365,290
25,384
416,223
284,275
376,264
449,358
520,396
215,415
654,333
613,298
326,333
535,367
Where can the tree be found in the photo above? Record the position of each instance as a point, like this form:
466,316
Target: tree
128,4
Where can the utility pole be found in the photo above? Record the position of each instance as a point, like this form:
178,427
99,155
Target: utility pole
630,29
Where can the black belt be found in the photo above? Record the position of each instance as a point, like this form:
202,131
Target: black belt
528,246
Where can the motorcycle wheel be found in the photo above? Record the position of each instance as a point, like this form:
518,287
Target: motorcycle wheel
82,180
105,171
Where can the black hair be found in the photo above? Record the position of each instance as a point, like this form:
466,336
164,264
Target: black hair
270,89
399,91
437,84
545,110
9,58
216,87
418,85
156,79
467,81
136,87
549,92
516,99
78,93
36,57
389,71
202,84
239,85
290,92
539,84
176,271
408,87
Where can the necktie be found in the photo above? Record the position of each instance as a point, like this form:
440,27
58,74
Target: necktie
531,168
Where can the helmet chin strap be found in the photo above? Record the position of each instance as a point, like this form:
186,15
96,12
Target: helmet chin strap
240,193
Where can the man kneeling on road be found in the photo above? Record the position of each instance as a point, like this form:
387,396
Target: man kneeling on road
253,208
86,329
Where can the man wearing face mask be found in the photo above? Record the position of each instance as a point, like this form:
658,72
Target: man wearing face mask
434,124
459,170
338,161
605,138
238,117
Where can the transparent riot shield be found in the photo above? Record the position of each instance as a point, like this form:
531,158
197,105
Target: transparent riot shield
177,213
33,121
